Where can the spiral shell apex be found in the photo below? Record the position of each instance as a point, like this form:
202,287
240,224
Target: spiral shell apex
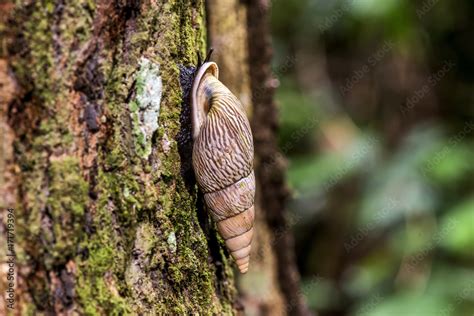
223,161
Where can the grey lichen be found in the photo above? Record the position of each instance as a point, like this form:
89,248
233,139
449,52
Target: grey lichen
145,108
172,242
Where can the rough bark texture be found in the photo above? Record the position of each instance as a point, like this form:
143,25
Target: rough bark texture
106,216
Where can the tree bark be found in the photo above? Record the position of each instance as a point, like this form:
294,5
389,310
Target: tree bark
228,35
271,165
104,194
96,160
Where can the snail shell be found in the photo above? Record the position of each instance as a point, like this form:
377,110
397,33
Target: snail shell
223,161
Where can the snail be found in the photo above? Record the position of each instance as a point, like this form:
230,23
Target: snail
223,160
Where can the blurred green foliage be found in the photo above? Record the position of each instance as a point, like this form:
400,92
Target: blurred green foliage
382,172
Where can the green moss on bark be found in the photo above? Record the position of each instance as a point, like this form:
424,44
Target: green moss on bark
51,35
150,200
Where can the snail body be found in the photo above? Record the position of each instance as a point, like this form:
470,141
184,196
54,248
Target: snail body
223,161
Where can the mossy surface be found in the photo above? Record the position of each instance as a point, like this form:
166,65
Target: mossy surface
127,222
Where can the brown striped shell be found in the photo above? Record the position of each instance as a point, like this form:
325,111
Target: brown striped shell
223,161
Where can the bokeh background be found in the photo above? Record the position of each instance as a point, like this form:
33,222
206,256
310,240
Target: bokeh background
376,102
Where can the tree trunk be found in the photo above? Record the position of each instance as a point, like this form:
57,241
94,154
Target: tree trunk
106,216
96,160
